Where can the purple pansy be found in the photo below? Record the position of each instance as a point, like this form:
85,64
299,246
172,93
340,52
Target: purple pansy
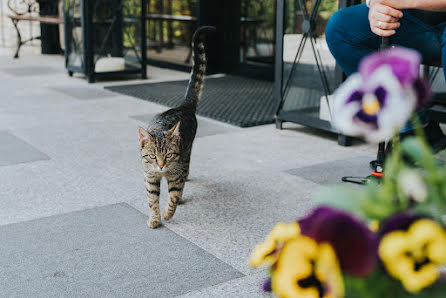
353,242
404,63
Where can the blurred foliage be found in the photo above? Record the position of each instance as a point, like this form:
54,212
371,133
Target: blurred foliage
172,32
293,12
263,10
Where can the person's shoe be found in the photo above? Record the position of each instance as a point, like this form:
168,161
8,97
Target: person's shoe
435,137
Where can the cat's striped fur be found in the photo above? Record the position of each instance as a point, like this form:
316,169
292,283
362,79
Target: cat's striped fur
167,143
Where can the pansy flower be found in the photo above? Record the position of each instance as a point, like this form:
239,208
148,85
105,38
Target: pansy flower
378,101
266,252
415,256
405,66
306,269
354,243
374,109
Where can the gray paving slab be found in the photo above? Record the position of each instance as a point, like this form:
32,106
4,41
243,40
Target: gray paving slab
20,71
103,252
82,92
205,127
331,172
14,150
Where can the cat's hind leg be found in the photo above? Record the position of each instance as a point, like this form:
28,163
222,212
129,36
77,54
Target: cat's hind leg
176,187
152,185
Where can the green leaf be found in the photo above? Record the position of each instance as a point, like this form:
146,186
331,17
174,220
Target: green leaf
377,284
341,197
418,150
437,290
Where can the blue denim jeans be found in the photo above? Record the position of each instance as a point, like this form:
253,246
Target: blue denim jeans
349,37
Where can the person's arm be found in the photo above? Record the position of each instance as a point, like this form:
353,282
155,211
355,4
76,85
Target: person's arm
431,5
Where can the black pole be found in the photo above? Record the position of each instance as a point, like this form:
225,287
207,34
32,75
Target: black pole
378,164
385,43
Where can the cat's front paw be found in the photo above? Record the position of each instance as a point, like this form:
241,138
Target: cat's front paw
154,223
168,214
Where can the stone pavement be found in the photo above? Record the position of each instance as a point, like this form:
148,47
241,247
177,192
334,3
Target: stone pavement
72,203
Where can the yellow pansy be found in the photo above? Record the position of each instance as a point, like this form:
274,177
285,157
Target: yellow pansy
415,256
306,269
264,252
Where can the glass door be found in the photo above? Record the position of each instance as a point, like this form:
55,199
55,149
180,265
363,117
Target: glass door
257,38
170,25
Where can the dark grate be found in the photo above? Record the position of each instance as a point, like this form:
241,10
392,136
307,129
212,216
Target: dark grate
236,100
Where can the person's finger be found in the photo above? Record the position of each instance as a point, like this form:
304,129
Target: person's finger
387,26
381,32
384,18
389,11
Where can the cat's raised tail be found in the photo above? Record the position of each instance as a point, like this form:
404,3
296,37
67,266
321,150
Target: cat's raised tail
195,86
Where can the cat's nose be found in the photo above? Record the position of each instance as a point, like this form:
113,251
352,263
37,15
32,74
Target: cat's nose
161,165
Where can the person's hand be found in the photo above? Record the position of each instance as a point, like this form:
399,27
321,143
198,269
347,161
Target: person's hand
383,19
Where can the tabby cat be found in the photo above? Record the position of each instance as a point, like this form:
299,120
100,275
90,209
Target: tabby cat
166,145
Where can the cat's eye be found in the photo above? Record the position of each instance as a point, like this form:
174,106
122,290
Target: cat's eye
152,156
169,155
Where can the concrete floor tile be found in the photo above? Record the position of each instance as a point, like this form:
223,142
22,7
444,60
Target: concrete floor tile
14,150
331,172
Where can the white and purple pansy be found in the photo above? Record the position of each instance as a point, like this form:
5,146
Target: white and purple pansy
376,102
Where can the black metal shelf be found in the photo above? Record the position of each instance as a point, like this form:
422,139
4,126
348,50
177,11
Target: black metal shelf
113,28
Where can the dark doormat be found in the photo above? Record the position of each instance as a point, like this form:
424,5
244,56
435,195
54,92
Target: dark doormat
236,100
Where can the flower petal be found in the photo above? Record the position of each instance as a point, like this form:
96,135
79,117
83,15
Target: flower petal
404,63
264,252
399,104
345,105
354,243
399,221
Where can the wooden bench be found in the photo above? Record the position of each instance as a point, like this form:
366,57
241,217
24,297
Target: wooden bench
28,10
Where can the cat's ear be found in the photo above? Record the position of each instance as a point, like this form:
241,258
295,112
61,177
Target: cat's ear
175,130
144,136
